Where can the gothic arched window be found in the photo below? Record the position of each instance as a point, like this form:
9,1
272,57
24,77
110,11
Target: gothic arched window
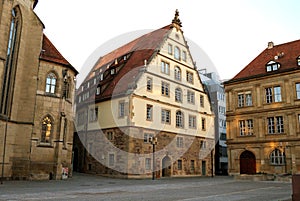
47,127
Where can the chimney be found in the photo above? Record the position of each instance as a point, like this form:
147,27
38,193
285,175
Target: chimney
270,45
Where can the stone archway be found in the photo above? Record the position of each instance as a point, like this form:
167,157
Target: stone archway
247,163
166,165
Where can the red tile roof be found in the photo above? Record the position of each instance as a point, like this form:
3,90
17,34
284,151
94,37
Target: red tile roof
140,49
286,54
50,53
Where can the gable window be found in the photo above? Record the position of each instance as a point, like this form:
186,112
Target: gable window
165,116
298,90
177,53
149,84
179,119
51,83
170,49
121,109
244,99
273,94
277,157
165,67
184,55
275,125
149,111
47,127
203,121
165,88
190,97
298,61
272,66
179,142
189,77
201,101
192,121
178,95
246,127
177,73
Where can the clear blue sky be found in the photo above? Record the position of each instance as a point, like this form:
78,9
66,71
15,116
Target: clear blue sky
231,33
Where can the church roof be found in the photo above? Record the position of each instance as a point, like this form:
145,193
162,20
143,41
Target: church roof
284,54
51,54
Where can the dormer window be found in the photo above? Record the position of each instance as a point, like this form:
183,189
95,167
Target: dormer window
272,66
298,60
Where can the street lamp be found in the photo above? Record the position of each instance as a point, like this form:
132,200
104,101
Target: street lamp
153,141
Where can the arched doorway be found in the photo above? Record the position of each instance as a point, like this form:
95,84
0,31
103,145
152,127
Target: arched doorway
247,163
166,165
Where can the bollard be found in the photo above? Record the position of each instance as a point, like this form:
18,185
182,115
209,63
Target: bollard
296,187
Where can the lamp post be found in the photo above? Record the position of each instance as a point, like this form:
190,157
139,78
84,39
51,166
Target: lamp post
153,141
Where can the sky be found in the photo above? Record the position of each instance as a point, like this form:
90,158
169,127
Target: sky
230,34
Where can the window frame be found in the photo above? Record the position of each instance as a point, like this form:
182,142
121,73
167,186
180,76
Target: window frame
149,112
277,157
177,53
51,87
149,84
165,89
275,125
165,67
190,77
272,95
193,121
164,116
46,133
190,96
121,109
177,73
179,119
178,95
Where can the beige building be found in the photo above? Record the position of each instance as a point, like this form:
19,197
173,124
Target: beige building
146,89
36,97
263,113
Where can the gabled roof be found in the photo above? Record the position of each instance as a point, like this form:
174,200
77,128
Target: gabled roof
285,54
139,50
51,54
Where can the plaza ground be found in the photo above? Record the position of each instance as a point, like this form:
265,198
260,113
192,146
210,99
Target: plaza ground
89,187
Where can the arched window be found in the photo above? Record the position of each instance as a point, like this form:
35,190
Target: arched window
47,127
177,73
11,61
277,157
178,95
51,83
179,119
177,53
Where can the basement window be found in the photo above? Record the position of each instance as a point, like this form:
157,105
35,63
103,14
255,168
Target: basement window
272,66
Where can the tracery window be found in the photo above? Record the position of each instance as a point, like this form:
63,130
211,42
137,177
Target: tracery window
51,83
47,127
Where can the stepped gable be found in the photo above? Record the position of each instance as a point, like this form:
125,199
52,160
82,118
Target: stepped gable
140,49
285,54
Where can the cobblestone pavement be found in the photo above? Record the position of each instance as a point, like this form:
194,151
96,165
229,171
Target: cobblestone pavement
88,187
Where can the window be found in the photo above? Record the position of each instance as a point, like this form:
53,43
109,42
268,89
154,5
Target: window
165,88
202,144
47,127
298,90
192,121
179,142
184,55
201,101
165,67
147,136
10,64
190,97
111,159
275,125
223,136
177,53
93,114
51,83
272,66
192,165
177,73
203,121
148,163
273,94
179,164
165,116
246,127
298,61
179,119
222,110
178,95
110,135
149,84
149,109
170,49
244,99
98,90
189,77
121,109
277,157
